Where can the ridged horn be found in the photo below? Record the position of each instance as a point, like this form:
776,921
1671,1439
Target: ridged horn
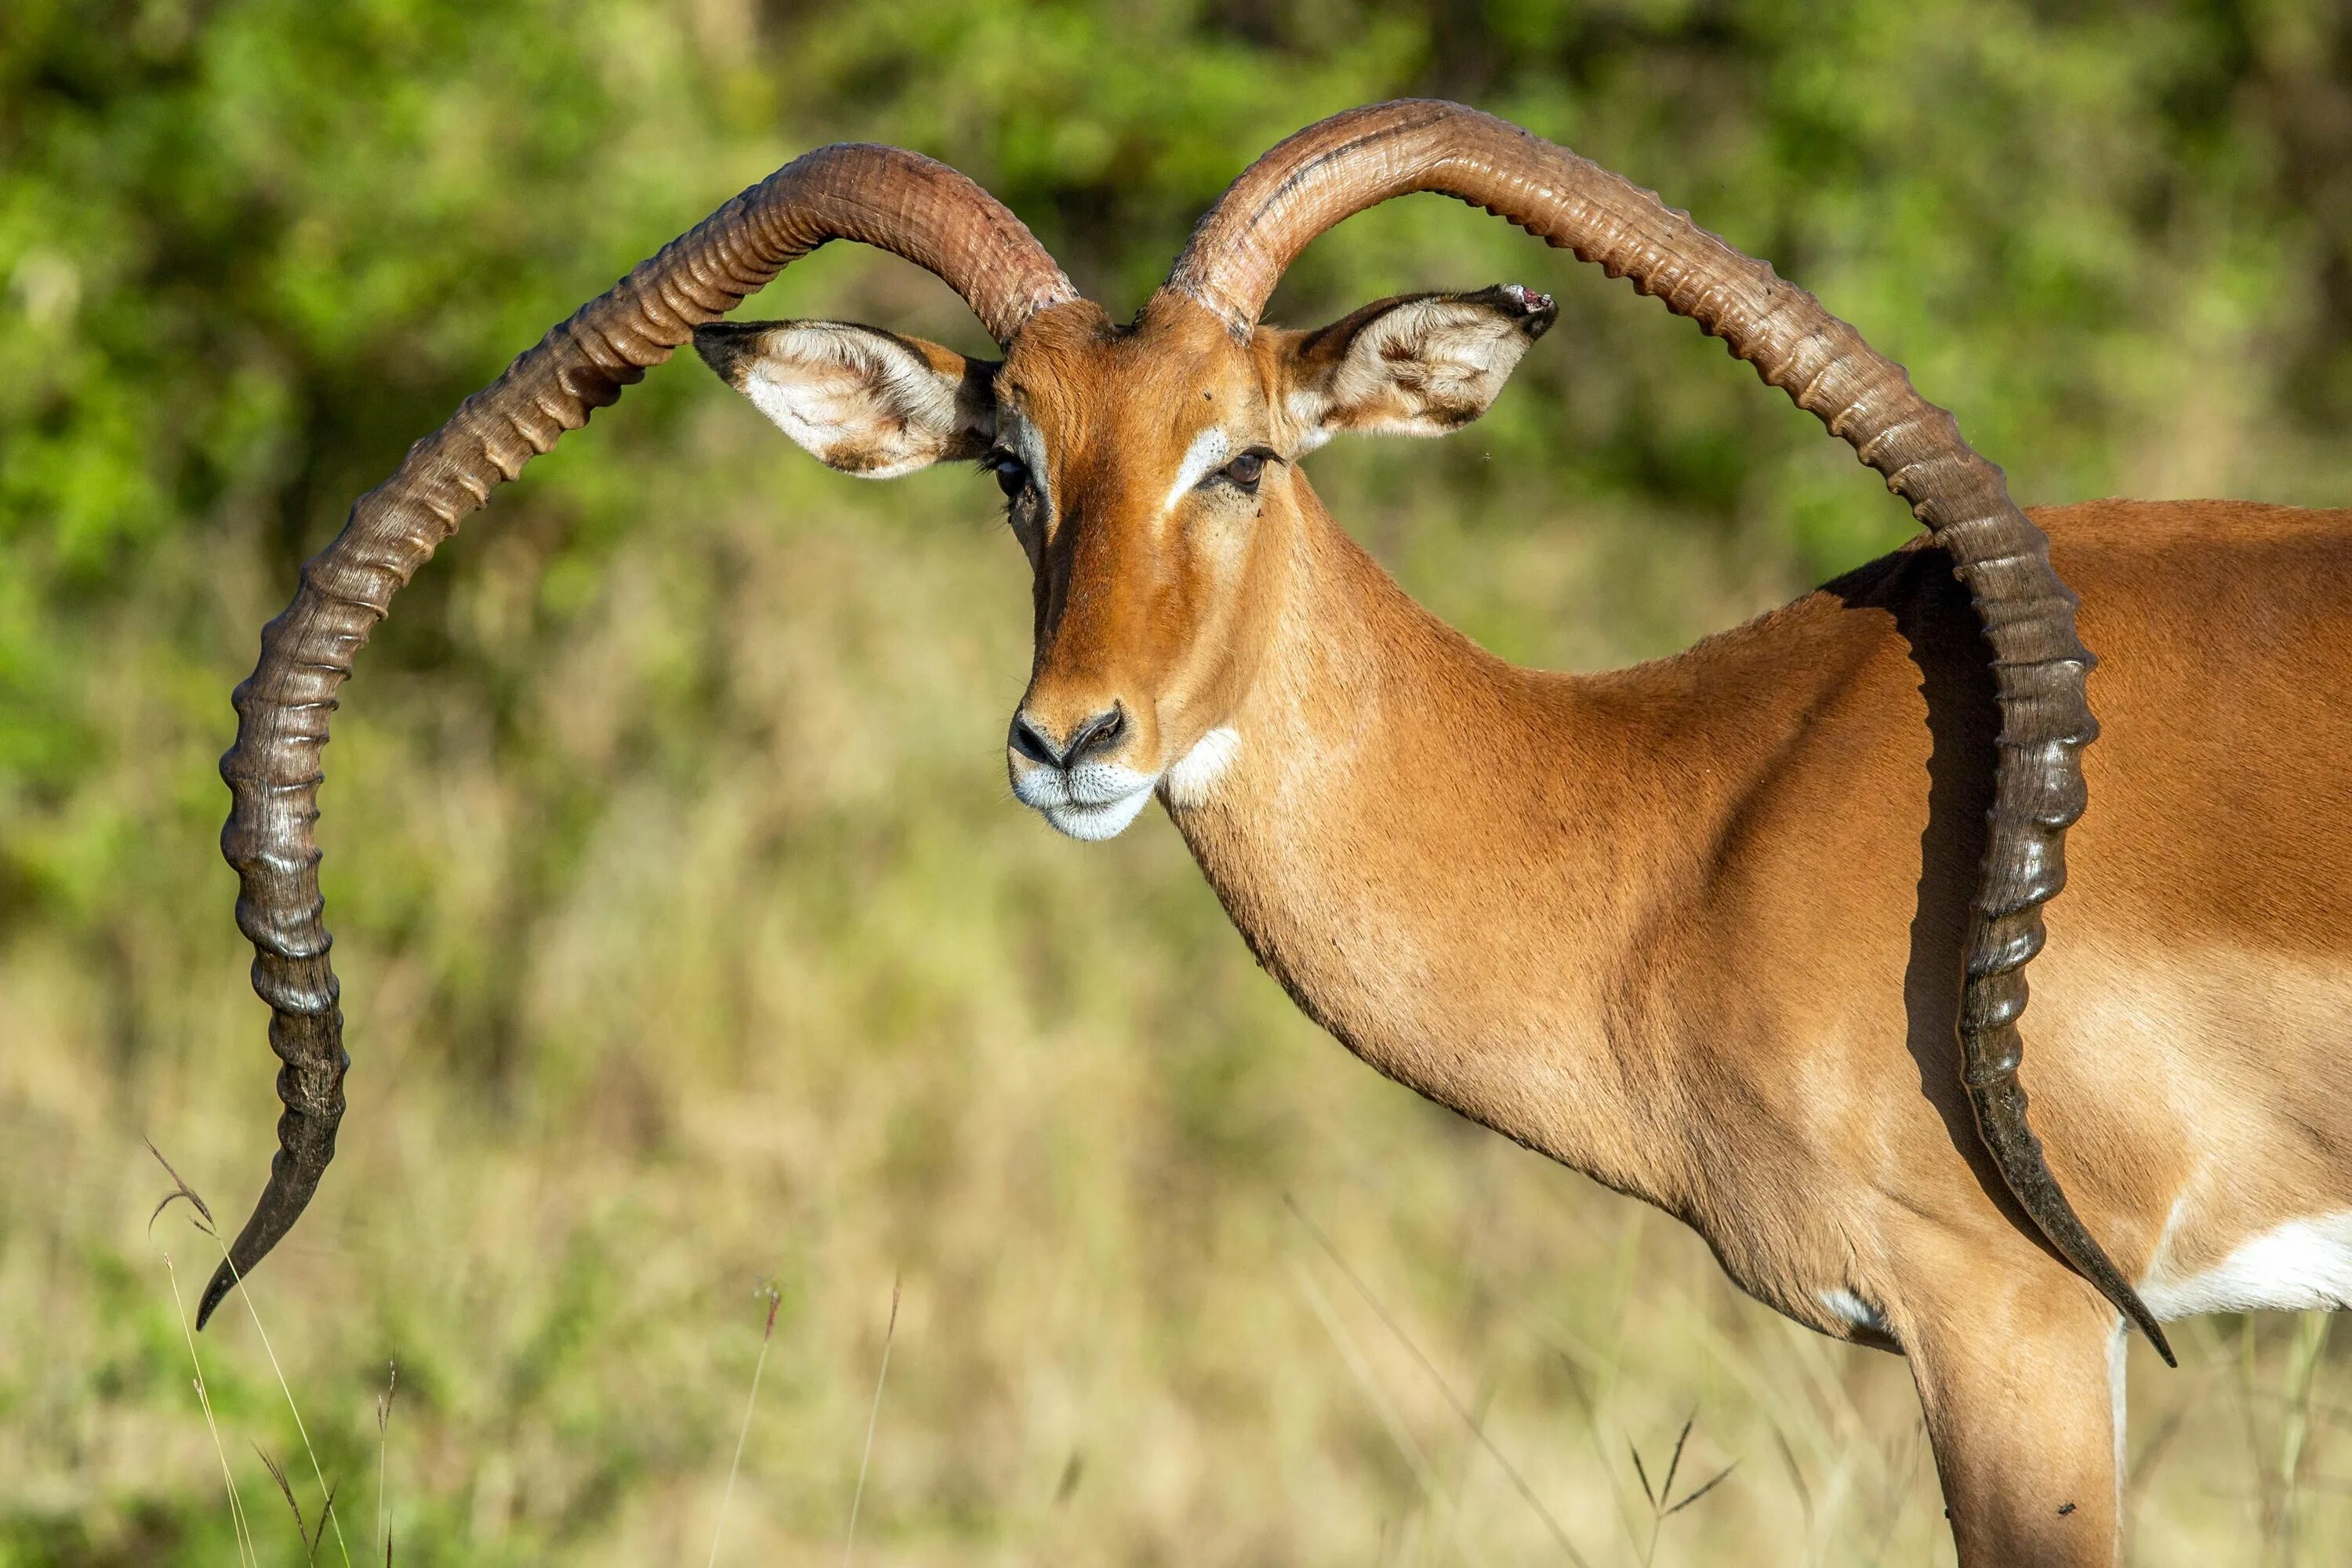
882,196
1338,167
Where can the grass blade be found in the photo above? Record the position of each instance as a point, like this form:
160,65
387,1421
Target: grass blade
238,1526
384,1441
751,1404
873,1418
210,1229
1720,1475
287,1491
1666,1487
1477,1427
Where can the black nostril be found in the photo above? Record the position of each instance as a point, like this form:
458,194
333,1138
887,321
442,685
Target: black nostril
1031,742
1090,738
1099,733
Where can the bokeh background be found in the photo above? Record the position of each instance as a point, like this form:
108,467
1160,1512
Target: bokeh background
692,946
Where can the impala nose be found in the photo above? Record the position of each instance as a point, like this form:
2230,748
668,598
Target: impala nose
1087,739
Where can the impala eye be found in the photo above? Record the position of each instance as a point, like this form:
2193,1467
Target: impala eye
1245,472
1012,473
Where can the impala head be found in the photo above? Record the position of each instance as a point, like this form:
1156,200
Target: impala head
1151,475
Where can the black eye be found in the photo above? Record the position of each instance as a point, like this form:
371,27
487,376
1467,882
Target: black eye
1012,473
1245,472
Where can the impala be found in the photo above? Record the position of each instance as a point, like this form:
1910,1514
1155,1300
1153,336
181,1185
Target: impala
1742,932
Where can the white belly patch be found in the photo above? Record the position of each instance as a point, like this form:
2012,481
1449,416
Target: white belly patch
2301,1265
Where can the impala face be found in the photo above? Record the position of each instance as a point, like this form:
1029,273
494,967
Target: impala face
1149,472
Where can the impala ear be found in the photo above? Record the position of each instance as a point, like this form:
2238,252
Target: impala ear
1421,364
864,401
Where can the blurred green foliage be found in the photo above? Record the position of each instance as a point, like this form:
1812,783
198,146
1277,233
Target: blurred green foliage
250,249
671,790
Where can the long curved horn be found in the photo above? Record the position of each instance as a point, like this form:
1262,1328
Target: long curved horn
1342,165
882,196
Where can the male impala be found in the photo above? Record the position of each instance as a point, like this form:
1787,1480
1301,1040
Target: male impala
1699,928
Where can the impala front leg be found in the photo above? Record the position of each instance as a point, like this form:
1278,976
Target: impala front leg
2024,1406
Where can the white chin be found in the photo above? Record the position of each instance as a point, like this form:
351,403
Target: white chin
1093,823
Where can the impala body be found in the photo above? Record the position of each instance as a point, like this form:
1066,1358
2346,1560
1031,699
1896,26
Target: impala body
1701,928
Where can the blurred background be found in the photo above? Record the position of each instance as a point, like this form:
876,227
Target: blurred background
692,946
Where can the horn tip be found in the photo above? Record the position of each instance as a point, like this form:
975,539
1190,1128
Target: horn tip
224,1280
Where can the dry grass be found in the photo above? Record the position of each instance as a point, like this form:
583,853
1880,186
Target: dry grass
703,950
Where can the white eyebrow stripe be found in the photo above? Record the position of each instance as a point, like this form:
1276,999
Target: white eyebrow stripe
1205,455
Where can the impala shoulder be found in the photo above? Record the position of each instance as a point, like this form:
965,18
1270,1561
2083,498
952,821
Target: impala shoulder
1744,696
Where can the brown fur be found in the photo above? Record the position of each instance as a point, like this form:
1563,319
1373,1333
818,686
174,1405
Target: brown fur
1695,927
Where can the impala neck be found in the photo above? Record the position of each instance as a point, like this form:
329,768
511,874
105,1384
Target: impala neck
1434,852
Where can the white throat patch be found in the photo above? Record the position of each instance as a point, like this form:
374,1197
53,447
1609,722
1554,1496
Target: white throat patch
1196,773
